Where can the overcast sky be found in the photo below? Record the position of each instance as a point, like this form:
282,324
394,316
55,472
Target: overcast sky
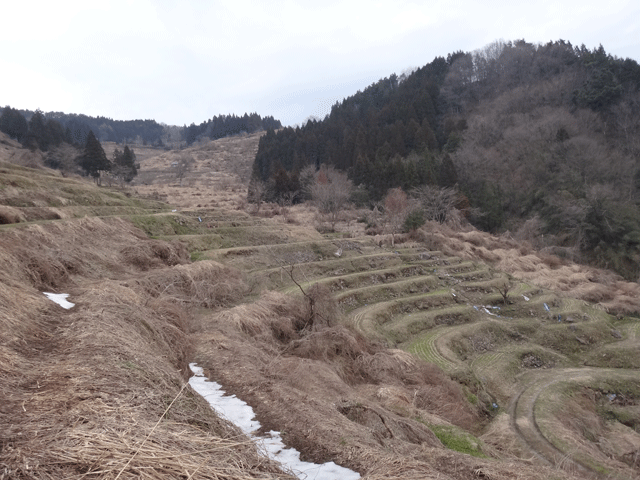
184,62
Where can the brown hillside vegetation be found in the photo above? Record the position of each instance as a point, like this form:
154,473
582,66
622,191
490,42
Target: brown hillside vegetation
217,175
378,359
85,390
12,151
519,259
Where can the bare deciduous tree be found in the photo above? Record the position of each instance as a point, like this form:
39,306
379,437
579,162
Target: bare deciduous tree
256,192
503,289
437,202
331,191
396,206
183,165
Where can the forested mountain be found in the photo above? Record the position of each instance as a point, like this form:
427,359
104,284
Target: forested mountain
538,139
372,134
222,126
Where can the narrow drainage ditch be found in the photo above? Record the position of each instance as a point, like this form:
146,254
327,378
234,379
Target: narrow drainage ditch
241,414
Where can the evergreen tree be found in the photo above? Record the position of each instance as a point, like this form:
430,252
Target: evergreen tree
54,133
13,123
93,159
37,135
124,164
448,175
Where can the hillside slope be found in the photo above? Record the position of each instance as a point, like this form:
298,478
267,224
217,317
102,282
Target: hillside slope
403,362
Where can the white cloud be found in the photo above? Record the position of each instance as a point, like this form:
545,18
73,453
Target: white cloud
185,62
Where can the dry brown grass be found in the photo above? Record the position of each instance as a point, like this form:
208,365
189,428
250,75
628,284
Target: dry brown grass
13,152
10,215
85,391
538,268
206,283
274,315
219,177
51,255
338,396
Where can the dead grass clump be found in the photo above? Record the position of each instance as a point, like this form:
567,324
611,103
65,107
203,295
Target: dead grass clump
475,238
388,367
21,311
173,253
595,292
44,271
155,253
336,345
42,213
452,247
206,283
512,262
314,377
10,215
551,261
626,299
107,452
386,425
274,315
433,391
483,254
432,241
445,399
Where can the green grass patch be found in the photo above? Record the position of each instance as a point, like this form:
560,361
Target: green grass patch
196,256
457,439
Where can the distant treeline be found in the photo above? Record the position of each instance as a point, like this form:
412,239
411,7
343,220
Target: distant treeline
226,125
74,128
43,130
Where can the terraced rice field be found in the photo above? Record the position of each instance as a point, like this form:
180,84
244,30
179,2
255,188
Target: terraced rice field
450,312
536,357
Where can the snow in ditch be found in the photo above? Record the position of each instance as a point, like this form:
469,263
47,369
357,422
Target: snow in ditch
60,299
241,414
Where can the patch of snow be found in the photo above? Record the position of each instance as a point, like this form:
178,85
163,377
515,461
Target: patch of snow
60,299
241,414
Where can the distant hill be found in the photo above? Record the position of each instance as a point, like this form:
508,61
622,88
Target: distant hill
542,140
74,128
